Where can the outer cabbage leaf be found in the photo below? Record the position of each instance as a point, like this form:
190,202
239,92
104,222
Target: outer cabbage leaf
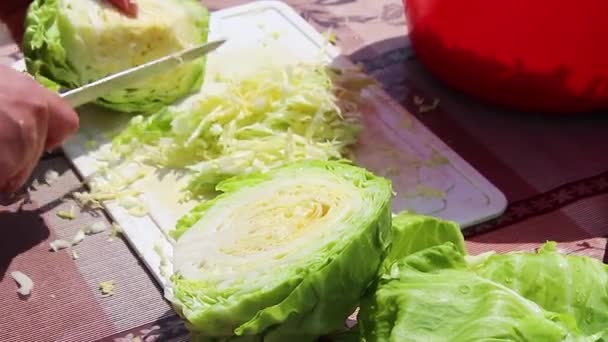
432,296
569,284
412,233
71,43
285,255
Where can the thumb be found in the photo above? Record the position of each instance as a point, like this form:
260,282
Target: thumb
63,121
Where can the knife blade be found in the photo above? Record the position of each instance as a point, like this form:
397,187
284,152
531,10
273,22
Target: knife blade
121,80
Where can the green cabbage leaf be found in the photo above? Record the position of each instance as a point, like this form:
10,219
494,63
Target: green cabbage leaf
432,295
568,284
411,233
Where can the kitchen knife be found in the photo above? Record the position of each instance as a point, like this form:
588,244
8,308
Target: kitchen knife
121,80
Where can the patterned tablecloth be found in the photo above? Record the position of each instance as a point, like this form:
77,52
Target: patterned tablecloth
554,172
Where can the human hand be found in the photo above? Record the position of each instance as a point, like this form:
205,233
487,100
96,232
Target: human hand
13,14
32,120
128,7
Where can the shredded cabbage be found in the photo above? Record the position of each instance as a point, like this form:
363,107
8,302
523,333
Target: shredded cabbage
115,232
78,238
67,215
250,123
26,285
51,176
59,244
95,228
107,288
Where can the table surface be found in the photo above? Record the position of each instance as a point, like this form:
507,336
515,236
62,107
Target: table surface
553,170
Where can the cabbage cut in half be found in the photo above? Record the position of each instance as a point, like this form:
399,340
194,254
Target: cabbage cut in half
286,254
70,43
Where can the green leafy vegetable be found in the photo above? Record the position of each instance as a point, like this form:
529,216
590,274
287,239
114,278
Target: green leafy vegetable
431,295
107,288
285,255
67,215
412,233
251,123
568,284
71,43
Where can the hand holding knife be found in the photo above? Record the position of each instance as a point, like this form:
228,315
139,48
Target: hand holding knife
121,80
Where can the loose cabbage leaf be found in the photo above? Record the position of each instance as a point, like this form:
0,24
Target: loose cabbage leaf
285,255
431,295
71,43
412,233
568,284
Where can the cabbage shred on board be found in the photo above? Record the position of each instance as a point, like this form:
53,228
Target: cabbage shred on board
251,123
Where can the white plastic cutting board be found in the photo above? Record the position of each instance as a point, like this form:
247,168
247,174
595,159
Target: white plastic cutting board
427,175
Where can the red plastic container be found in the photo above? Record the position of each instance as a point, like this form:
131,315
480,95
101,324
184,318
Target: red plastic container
532,55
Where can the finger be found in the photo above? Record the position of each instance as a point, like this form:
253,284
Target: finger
32,159
128,7
63,121
36,143
17,182
27,146
10,182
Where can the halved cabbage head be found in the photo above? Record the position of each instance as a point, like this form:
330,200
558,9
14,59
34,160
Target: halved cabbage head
71,43
285,253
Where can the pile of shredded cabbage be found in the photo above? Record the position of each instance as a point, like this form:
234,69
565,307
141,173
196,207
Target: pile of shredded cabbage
250,123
